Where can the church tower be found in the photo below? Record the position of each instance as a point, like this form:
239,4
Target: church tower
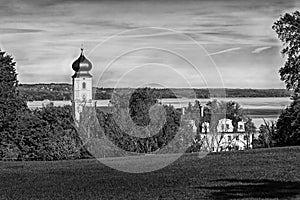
82,85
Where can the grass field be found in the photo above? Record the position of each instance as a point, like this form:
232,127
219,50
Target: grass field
253,174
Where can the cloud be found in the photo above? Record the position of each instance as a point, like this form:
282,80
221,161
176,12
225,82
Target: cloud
225,51
18,30
259,50
219,26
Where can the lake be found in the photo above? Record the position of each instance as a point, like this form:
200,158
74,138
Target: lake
245,102
265,103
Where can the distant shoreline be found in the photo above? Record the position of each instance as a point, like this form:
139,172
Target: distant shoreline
62,91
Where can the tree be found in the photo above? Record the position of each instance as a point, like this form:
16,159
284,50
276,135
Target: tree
267,132
249,129
59,138
193,112
46,134
288,31
11,104
288,126
234,112
140,103
138,124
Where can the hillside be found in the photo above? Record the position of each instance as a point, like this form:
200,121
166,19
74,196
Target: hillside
56,91
254,174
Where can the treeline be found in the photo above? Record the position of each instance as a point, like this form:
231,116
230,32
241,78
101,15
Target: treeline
55,92
50,133
257,92
40,92
42,134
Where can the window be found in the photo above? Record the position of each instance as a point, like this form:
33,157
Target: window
83,85
229,137
241,126
205,128
237,137
227,126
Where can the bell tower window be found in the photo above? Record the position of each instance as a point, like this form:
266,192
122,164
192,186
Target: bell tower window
83,85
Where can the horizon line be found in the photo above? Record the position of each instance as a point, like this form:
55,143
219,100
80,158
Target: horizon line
64,83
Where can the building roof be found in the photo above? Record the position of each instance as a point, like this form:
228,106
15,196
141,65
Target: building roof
81,64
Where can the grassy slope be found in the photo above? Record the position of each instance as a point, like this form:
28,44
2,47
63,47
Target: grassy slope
270,173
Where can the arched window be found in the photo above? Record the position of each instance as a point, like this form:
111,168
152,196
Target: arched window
83,85
222,127
227,126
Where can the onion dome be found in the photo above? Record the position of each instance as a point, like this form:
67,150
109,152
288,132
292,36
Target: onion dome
81,66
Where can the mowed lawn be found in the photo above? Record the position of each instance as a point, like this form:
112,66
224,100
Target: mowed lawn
254,174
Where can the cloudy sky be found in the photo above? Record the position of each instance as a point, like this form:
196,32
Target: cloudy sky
173,43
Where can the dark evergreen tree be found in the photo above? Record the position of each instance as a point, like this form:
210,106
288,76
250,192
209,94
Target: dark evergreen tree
288,126
11,104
